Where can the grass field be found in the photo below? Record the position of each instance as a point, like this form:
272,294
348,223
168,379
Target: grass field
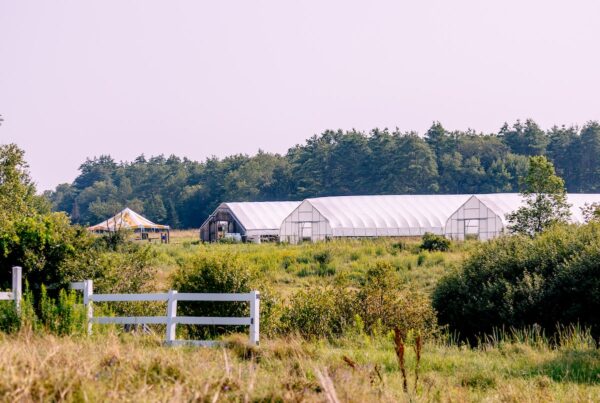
519,367
290,267
128,368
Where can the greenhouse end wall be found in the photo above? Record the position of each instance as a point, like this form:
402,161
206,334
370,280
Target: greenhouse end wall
473,219
305,223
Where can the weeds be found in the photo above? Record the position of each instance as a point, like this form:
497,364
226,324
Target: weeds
400,349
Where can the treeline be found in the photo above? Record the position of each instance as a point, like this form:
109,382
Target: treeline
182,193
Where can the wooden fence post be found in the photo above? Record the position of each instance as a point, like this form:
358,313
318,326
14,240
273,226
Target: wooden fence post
171,315
255,318
17,286
88,291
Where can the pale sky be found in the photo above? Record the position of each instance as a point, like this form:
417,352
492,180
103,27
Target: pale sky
197,78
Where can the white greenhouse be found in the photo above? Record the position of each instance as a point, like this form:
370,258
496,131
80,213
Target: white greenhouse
369,216
455,216
483,216
246,221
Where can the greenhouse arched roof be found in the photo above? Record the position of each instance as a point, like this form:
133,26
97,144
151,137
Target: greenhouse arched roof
505,203
255,216
389,212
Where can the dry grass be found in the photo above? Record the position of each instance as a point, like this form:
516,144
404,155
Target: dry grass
187,235
124,368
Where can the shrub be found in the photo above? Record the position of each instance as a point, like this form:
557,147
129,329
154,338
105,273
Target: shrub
519,281
64,316
221,274
323,258
49,249
320,312
113,240
9,317
380,304
383,301
433,242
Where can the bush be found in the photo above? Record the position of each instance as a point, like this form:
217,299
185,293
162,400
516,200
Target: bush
321,312
62,316
519,282
383,301
381,304
221,274
49,249
323,258
432,242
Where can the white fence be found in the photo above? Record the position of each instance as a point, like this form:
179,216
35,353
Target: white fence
171,320
16,291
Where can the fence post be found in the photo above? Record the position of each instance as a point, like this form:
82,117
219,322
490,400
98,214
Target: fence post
171,315
88,291
17,286
254,318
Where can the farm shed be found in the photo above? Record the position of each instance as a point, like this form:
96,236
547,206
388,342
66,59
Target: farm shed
369,216
483,216
253,221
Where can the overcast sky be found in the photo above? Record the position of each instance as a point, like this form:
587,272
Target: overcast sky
200,78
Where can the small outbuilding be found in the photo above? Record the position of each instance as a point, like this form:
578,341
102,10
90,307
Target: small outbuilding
128,219
246,221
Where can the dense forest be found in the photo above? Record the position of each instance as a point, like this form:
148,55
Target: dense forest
182,193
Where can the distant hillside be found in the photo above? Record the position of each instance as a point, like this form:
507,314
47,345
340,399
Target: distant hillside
182,193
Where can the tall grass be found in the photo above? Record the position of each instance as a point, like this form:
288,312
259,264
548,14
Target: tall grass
121,367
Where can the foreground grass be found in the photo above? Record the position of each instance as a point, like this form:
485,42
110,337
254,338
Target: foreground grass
134,368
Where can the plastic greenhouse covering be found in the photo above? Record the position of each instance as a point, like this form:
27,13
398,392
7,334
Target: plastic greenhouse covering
480,216
369,216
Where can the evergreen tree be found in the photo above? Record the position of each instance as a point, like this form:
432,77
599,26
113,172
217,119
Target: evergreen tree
589,158
526,139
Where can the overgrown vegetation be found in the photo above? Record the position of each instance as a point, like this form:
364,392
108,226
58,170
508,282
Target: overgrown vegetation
122,367
433,242
518,281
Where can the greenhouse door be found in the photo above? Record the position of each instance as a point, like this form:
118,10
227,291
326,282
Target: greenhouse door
471,228
305,231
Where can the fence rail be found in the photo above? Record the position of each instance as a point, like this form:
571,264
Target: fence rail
16,291
171,320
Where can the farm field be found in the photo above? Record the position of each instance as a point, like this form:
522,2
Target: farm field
357,366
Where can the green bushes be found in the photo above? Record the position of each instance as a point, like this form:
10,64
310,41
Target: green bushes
321,312
225,273
62,316
49,249
380,304
384,301
432,242
520,281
